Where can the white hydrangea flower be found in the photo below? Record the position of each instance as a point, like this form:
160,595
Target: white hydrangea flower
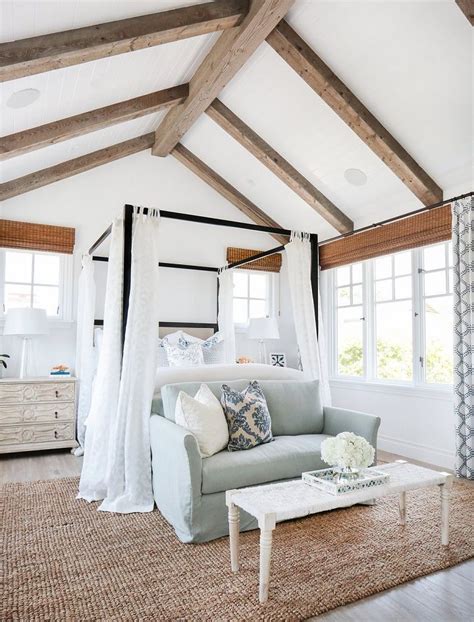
347,450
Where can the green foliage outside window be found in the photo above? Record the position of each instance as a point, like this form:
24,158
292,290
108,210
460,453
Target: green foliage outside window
394,362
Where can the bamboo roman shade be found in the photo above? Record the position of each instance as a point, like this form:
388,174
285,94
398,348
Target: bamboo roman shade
272,263
31,236
418,230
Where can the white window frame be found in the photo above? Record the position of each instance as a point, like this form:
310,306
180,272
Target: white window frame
65,285
272,300
329,288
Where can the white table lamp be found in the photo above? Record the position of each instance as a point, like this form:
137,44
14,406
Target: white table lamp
262,328
26,323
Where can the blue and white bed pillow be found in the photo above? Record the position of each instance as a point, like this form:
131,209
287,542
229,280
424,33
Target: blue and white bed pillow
184,346
248,418
184,354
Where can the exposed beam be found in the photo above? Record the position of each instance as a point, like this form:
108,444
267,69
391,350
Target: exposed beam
26,57
297,53
231,123
467,7
204,172
228,55
64,129
73,167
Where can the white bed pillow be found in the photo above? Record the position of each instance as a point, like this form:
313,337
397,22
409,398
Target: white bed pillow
203,416
180,355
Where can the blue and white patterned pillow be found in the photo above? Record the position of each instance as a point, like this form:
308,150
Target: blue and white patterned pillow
247,417
184,354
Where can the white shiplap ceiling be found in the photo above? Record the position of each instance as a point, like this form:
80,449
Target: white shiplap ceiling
409,62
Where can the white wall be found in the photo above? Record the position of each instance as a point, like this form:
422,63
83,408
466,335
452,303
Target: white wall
91,200
416,423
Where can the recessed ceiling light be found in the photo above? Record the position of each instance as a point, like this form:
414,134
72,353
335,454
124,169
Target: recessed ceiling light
23,98
355,176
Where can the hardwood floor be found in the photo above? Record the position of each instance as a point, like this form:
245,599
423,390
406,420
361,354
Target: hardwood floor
445,596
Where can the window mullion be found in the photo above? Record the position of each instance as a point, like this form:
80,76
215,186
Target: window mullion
369,323
419,361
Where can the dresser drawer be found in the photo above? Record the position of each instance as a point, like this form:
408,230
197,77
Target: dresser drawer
40,392
40,433
36,413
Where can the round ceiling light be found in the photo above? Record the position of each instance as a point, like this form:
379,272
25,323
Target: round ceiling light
355,176
23,98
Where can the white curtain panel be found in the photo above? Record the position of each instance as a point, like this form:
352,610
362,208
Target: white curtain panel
85,358
463,251
129,480
313,358
225,319
103,410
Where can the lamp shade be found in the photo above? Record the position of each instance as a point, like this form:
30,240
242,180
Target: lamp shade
263,328
26,322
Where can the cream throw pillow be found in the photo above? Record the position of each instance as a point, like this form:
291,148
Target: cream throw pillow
203,416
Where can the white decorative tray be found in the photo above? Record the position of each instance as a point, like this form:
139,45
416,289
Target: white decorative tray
330,480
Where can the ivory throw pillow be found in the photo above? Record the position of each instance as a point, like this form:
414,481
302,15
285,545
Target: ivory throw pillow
247,417
203,416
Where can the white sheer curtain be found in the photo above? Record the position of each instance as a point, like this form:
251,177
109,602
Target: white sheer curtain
85,358
129,478
313,359
103,410
225,319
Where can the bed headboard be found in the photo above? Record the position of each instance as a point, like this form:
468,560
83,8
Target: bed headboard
202,330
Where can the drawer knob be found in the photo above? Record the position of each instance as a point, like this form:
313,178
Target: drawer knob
57,393
56,434
56,414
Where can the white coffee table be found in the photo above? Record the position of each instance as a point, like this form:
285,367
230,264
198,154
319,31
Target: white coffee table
272,503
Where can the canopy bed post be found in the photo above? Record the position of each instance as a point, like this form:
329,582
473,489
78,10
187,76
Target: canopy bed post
313,238
127,264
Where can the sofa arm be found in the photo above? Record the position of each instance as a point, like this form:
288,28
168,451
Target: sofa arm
338,420
176,471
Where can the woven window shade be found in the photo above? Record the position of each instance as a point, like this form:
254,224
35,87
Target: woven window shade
31,236
419,230
272,263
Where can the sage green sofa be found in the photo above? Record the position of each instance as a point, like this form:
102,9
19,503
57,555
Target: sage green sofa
189,490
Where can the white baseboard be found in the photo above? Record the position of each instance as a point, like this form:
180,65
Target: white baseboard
416,451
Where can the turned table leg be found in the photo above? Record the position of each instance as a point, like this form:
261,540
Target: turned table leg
402,508
234,529
267,525
445,490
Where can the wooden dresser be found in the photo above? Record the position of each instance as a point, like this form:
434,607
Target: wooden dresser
37,413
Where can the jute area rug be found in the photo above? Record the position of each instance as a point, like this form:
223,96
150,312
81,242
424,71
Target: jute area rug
63,560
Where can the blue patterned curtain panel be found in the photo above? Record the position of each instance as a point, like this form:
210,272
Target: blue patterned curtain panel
463,249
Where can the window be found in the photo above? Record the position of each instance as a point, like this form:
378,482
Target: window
31,279
254,295
391,317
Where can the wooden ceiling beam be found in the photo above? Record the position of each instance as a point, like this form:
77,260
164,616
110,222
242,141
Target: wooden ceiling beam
78,165
26,57
218,183
467,7
80,124
230,52
264,152
297,53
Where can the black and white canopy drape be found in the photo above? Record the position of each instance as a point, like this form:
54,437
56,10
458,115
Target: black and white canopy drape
117,464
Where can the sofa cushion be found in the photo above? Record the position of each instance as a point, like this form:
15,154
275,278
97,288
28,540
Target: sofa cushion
294,406
285,458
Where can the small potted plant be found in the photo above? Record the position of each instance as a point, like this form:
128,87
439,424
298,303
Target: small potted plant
3,363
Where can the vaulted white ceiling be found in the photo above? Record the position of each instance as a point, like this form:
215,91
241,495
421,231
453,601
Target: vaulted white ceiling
409,62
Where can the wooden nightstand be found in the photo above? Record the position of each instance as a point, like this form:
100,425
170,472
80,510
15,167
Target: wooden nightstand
37,413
